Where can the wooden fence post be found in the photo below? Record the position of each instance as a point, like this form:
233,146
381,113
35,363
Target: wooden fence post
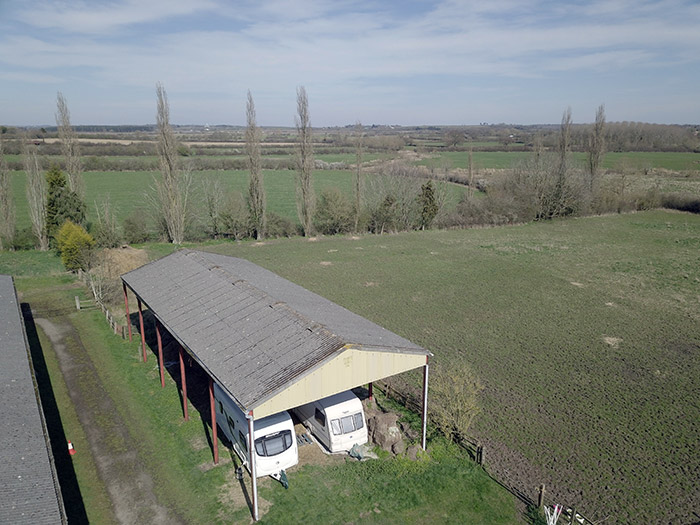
77,303
479,454
540,497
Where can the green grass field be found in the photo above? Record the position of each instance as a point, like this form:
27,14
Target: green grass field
612,160
128,190
585,333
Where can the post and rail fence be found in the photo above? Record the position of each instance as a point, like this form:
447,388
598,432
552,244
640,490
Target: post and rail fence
117,327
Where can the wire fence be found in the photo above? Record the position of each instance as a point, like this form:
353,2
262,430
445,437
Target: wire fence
409,397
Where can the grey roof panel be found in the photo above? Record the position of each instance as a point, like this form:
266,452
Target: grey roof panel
29,490
251,329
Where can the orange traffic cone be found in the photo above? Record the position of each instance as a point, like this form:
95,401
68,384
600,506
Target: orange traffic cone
71,450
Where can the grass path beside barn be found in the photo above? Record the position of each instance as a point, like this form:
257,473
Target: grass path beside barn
113,452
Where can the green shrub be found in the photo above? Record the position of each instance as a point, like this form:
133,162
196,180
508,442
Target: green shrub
535,516
75,246
428,204
278,226
681,201
334,213
62,204
135,228
24,239
234,216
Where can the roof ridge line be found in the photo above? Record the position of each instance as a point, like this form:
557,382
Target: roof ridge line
312,325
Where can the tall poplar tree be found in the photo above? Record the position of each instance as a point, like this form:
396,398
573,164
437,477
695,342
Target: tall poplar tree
256,190
306,198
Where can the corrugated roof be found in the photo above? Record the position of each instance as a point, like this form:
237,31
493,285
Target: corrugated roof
28,487
252,330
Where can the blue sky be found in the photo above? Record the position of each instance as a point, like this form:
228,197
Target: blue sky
407,62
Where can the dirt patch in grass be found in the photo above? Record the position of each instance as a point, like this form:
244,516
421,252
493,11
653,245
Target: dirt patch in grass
612,342
117,261
236,494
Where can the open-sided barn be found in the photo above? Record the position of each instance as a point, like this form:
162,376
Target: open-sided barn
269,343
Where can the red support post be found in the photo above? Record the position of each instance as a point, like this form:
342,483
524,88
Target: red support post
253,470
160,354
425,403
214,436
126,305
143,332
183,383
371,397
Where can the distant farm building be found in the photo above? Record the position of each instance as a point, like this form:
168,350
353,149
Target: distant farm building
267,342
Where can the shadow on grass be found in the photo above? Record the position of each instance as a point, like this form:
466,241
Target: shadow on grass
197,384
70,491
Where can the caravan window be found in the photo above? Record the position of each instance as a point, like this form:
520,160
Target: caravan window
273,444
358,420
320,417
335,425
347,424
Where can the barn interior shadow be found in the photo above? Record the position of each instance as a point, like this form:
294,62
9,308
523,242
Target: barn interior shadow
197,380
70,490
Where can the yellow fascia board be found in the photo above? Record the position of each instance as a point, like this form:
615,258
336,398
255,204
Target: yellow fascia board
351,367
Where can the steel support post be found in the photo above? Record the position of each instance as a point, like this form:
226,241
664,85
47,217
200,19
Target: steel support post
143,332
214,436
183,383
126,307
251,459
425,402
160,355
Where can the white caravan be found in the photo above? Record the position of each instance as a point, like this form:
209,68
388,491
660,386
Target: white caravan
337,421
274,437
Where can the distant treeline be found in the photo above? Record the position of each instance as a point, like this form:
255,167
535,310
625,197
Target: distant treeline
619,137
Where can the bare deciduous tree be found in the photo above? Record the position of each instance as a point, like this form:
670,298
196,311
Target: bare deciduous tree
564,142
7,203
306,198
596,147
546,185
36,194
454,136
564,197
454,389
256,189
359,136
391,201
174,185
214,199
70,147
234,215
470,171
107,233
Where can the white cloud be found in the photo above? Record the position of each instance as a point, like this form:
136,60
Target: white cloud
352,51
93,17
